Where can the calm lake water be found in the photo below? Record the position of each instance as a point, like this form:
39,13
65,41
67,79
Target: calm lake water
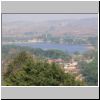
63,47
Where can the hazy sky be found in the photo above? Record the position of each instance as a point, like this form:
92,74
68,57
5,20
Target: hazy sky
44,17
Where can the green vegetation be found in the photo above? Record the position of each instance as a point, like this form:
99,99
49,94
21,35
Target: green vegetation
90,70
26,70
32,68
10,50
93,40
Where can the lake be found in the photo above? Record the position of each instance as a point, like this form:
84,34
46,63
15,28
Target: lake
63,47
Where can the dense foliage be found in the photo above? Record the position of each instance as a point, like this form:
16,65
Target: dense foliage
26,70
90,70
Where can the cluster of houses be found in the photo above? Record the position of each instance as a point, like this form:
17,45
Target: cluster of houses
69,67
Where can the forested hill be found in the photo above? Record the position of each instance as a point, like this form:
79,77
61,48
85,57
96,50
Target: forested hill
10,50
25,70
21,64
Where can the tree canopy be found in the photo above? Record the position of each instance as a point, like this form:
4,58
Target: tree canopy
26,70
90,70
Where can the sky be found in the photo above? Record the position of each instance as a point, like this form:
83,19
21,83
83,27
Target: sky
44,17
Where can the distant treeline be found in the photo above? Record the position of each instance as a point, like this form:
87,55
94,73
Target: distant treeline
8,50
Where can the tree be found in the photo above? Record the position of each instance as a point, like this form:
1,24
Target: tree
25,70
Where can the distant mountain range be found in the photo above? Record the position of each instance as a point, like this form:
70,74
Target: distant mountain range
54,27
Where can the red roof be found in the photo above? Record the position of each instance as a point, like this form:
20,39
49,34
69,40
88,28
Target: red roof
55,60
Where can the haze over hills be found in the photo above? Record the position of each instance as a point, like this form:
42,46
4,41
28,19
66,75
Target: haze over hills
87,26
